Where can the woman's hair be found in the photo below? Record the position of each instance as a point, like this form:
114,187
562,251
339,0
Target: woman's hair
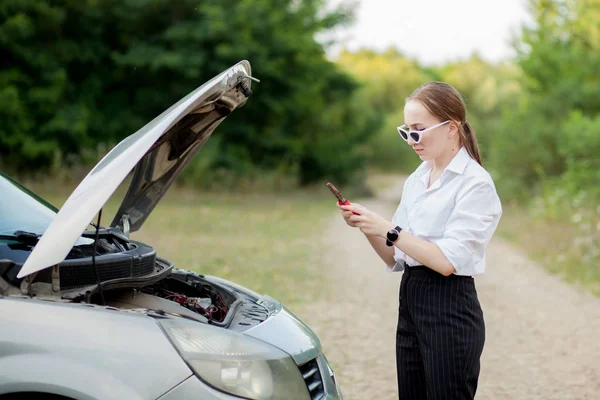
443,101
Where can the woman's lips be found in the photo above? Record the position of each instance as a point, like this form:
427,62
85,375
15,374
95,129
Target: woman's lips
418,151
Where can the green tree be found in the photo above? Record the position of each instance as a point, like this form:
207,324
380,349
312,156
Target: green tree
76,74
553,140
560,60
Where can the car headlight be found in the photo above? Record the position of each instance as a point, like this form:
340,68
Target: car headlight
235,363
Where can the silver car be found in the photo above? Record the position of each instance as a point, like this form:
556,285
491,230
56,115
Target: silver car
86,313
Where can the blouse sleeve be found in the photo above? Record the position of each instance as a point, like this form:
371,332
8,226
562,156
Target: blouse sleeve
471,225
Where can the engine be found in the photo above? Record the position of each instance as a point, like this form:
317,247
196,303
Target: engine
213,308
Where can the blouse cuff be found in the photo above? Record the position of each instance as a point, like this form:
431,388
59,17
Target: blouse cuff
398,266
458,254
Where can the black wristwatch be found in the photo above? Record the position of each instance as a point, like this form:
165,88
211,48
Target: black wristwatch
392,236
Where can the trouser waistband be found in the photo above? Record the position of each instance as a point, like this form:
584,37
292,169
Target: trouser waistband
422,270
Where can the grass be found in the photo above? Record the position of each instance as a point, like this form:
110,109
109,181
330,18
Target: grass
550,243
270,243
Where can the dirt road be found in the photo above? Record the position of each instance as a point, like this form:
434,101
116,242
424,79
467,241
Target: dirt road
543,335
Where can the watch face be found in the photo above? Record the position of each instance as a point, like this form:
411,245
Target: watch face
392,235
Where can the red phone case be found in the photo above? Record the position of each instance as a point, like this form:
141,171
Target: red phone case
341,200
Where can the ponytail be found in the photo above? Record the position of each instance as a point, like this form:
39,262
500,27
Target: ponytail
470,142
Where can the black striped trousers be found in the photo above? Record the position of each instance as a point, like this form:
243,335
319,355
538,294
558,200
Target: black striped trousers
440,336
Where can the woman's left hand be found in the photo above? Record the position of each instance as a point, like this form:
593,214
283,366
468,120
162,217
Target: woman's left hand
370,223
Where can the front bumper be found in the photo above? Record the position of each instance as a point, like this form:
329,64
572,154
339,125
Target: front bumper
287,332
284,330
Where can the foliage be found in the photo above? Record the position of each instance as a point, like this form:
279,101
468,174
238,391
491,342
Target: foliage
76,74
389,77
582,164
559,57
553,137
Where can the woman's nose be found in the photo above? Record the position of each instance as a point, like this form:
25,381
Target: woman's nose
410,141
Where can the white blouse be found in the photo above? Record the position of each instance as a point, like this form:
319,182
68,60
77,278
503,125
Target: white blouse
459,213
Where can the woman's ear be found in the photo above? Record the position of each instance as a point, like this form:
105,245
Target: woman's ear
453,131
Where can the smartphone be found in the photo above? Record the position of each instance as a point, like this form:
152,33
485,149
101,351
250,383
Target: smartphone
341,199
337,194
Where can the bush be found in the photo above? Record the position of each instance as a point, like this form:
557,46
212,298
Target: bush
78,74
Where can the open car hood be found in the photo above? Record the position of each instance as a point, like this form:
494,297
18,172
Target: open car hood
159,151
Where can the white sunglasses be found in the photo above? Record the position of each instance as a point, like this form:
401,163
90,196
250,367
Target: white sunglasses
404,131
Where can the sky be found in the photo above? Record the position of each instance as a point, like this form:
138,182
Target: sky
435,31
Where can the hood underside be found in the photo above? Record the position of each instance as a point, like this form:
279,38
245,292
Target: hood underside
158,151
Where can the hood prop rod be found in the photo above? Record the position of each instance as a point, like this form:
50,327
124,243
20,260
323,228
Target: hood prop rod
94,258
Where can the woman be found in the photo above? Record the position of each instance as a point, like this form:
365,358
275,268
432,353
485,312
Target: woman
448,212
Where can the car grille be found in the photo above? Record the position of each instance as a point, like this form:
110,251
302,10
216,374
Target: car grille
314,381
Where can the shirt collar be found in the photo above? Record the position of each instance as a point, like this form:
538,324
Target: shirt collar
458,164
460,161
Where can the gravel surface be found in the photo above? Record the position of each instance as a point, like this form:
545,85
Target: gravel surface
542,334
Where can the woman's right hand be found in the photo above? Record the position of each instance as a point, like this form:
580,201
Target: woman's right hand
346,215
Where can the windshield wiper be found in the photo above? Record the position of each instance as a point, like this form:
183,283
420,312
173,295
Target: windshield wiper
29,238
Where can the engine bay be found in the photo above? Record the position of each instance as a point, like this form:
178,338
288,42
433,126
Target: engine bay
190,291
138,281
191,296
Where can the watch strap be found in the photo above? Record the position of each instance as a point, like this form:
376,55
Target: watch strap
388,242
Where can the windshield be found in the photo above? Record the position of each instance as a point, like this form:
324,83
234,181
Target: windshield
22,210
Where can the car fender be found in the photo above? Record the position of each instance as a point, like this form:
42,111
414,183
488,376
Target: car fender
85,348
47,373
